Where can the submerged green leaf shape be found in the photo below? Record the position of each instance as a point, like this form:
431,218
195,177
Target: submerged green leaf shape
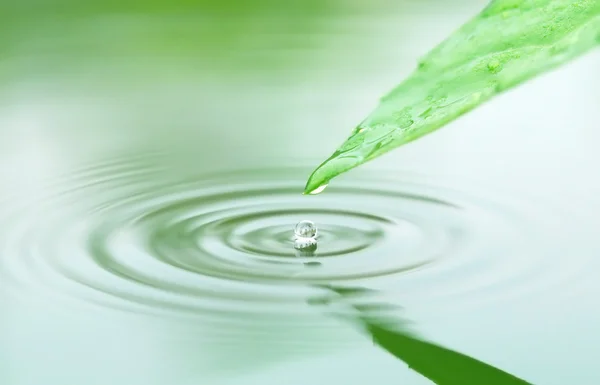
441,365
508,43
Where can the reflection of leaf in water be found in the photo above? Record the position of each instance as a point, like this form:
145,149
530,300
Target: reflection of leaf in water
506,44
441,365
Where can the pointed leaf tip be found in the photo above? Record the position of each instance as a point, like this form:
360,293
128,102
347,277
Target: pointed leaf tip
509,43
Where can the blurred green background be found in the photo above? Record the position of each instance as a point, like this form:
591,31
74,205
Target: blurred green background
264,80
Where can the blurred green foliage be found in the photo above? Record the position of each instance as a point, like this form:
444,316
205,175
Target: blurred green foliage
205,33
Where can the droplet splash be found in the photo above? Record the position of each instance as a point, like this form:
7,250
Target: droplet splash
305,229
159,242
305,247
305,238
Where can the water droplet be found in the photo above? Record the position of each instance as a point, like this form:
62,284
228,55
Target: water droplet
354,141
305,230
404,118
319,189
494,66
305,247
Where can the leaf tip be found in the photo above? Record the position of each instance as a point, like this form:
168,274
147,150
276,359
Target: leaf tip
316,183
337,164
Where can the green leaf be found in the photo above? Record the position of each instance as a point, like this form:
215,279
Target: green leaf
508,43
441,365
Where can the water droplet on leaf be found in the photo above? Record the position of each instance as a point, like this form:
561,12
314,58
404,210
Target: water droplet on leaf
353,142
494,66
318,190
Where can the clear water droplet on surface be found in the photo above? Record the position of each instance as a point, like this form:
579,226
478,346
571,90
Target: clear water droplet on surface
305,230
305,247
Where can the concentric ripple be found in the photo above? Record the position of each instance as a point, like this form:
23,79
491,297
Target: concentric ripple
130,234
